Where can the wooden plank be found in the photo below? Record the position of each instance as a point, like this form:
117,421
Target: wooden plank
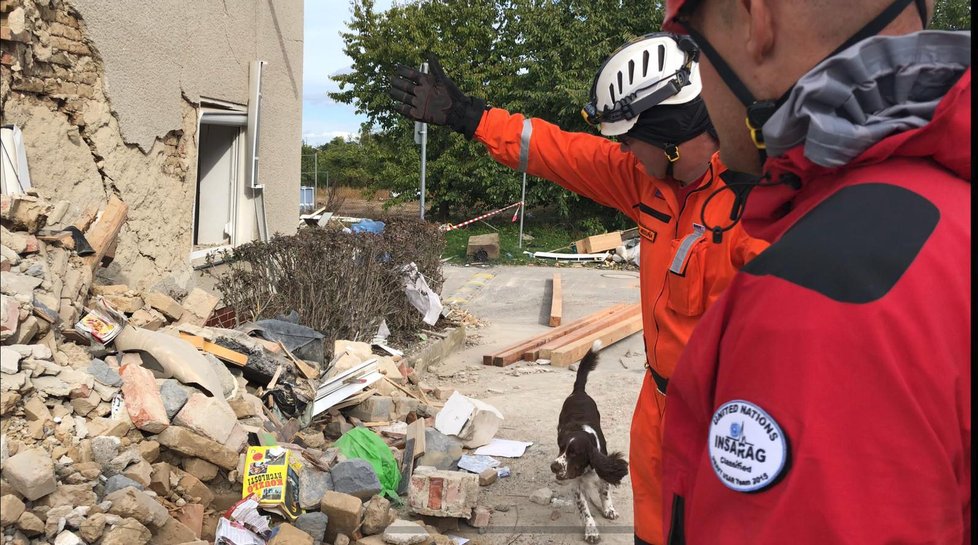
104,231
514,353
226,354
547,350
415,432
222,353
564,356
195,340
304,367
556,302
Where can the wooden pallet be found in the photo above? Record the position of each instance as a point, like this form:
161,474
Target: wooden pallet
515,353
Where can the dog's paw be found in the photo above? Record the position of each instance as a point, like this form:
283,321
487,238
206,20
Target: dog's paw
591,534
610,513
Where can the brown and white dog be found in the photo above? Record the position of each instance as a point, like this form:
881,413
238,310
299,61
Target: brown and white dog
584,452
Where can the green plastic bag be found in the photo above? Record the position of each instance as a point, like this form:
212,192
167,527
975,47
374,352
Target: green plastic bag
367,445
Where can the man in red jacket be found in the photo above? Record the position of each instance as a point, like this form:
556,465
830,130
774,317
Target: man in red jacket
646,94
826,397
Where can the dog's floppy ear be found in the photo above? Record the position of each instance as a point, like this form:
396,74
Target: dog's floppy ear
611,468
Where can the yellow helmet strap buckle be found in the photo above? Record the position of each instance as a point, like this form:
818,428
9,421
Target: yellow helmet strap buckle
672,152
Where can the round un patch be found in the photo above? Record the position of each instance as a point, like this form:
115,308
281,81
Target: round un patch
748,450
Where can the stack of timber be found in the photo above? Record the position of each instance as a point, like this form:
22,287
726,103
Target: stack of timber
568,343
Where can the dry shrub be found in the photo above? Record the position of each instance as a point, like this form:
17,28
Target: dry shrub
340,284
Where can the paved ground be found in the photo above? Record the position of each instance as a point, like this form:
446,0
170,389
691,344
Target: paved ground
516,303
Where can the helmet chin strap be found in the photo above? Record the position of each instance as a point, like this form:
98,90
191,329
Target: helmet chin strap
760,111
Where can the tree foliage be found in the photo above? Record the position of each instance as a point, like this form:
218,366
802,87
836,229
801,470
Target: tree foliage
951,15
536,57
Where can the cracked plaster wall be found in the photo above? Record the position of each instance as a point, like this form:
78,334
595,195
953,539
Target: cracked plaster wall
107,96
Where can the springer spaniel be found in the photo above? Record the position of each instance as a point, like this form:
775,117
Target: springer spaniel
584,453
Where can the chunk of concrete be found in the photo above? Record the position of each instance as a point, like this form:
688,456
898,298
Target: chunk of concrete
104,373
31,473
473,421
313,484
441,451
405,532
313,524
208,416
174,396
343,511
189,443
165,304
357,478
11,508
373,409
488,243
130,502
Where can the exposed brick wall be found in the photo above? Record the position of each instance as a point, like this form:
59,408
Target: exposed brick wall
52,84
51,58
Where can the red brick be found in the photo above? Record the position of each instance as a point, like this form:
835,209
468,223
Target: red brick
143,399
443,493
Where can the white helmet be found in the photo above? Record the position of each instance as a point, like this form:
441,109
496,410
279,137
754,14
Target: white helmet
658,68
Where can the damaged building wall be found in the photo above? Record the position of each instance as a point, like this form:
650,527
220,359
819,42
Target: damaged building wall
108,95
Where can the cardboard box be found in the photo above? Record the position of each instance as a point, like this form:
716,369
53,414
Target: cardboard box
598,243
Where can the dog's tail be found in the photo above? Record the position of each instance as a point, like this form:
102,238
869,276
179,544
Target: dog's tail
587,365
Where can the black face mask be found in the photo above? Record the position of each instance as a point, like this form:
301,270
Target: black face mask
667,126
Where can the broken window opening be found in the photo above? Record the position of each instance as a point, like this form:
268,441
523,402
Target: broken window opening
222,203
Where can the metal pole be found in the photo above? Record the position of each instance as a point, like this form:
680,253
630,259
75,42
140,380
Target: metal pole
424,151
424,160
315,178
522,209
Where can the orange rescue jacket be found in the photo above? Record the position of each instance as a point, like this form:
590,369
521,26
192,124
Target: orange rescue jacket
682,270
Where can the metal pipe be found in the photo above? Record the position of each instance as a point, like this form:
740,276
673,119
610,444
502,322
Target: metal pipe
522,209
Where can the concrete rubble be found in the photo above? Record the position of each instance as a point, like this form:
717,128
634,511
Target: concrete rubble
102,445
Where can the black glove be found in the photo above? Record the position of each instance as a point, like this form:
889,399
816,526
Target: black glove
434,98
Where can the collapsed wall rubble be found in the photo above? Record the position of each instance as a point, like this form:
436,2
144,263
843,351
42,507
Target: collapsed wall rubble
127,447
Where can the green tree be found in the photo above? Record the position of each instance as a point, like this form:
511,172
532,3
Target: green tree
536,57
951,15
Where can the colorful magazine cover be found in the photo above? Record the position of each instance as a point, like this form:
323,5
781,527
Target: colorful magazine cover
272,476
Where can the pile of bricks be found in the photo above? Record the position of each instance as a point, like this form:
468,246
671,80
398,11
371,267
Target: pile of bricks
97,445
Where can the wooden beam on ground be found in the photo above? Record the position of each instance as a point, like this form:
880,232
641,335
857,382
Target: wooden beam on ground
102,234
514,353
556,302
546,351
573,352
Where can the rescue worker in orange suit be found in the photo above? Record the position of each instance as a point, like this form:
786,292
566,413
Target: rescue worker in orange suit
826,397
647,95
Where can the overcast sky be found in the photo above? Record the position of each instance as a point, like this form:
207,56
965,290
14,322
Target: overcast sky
322,118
